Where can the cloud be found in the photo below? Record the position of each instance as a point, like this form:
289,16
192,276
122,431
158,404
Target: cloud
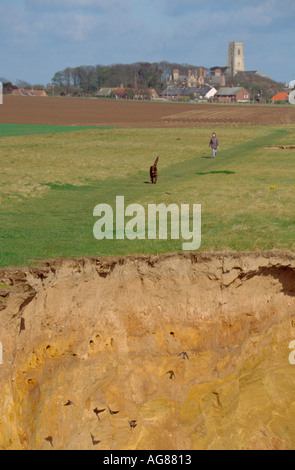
57,33
12,23
177,7
183,8
73,26
213,14
82,5
205,24
43,22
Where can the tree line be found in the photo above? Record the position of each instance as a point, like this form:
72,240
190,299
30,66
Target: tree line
137,79
260,87
87,80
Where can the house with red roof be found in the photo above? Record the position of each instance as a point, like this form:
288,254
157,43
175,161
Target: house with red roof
283,96
232,95
23,92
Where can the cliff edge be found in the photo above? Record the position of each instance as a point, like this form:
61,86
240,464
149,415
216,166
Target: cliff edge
181,351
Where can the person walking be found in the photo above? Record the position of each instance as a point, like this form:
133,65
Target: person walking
214,144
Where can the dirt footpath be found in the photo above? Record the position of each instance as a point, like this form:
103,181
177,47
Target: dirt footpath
95,112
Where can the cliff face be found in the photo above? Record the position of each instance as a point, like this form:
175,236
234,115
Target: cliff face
107,334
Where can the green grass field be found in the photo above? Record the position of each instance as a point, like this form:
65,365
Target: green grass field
51,180
8,130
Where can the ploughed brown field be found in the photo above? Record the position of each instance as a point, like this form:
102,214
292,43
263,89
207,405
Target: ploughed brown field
95,112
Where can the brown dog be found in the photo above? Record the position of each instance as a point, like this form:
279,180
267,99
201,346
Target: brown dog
154,171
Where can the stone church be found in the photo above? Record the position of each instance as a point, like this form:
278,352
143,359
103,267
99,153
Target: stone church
235,59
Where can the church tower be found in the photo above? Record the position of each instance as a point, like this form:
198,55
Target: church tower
235,59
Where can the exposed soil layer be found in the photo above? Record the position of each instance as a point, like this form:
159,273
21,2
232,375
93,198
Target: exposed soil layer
190,350
87,112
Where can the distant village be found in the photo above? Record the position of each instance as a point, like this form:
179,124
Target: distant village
196,86
200,84
217,84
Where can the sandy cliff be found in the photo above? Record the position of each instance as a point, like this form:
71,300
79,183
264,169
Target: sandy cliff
107,334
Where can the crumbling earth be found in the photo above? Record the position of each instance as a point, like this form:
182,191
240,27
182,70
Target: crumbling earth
180,351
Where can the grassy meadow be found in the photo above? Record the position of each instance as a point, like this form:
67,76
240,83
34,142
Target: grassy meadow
52,178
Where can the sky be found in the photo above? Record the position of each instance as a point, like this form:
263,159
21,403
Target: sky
41,37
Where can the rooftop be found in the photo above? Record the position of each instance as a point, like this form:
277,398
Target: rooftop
228,91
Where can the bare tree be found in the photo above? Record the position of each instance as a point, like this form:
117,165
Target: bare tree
23,84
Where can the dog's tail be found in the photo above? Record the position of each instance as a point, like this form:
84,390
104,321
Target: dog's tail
156,161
